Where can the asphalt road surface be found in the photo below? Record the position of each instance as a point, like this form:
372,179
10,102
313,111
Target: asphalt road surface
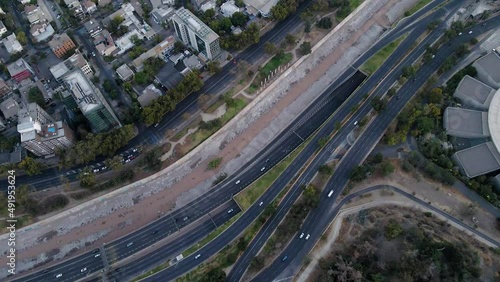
320,218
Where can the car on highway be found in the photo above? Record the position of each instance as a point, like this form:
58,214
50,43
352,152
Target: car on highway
262,169
307,237
83,269
230,211
237,182
97,255
96,170
135,150
197,256
186,218
470,31
261,203
330,193
301,236
459,33
59,275
156,125
284,258
356,123
130,244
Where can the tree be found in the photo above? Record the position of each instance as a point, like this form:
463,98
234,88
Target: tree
213,67
87,178
433,25
408,71
239,3
290,39
115,23
135,40
269,48
22,194
436,95
115,163
36,96
239,19
213,164
393,230
30,166
178,47
325,23
214,275
305,48
21,37
141,78
311,196
462,49
359,173
386,168
202,100
379,105
325,169
378,158
322,142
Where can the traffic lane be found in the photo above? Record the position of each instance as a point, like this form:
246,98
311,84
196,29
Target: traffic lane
254,211
385,118
67,270
129,246
157,257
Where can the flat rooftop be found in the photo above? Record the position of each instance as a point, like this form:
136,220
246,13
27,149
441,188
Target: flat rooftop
82,90
466,123
490,64
478,160
264,6
196,24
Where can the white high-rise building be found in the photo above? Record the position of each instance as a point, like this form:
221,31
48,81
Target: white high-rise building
193,32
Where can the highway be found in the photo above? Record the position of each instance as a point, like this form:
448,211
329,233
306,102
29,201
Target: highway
213,86
118,250
319,218
377,81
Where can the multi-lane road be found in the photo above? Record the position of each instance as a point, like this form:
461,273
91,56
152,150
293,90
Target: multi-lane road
319,219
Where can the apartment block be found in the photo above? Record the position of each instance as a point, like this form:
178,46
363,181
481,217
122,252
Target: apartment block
61,44
20,70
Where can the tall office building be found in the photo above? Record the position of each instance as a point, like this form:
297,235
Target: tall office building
193,32
91,102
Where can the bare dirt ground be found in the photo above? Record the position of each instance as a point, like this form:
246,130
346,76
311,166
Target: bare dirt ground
117,214
342,231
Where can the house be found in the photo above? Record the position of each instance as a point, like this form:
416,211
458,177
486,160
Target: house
75,7
11,44
162,14
3,29
168,76
90,6
208,5
41,31
20,70
105,44
9,108
160,49
61,44
124,72
34,14
133,21
192,63
93,28
229,8
149,94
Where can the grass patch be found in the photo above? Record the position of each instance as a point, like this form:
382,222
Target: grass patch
417,7
274,63
233,111
214,106
252,89
210,236
354,4
251,193
379,58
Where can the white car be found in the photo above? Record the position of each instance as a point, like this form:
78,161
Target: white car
83,269
197,256
307,237
156,125
262,169
59,275
97,255
301,236
459,33
230,211
237,182
130,244
261,203
356,123
470,31
96,170
127,160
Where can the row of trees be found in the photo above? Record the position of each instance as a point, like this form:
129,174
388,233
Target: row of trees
104,144
151,68
152,114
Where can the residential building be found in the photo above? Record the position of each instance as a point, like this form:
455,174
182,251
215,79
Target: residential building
133,21
76,61
34,14
4,89
11,44
160,49
262,6
229,8
90,6
9,108
105,44
193,32
124,43
161,14
192,63
20,70
124,72
13,157
44,140
41,31
91,102
75,7
102,3
208,5
3,29
60,44
93,28
168,76
149,94
36,113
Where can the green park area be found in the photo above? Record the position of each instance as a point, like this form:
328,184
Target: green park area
379,58
273,64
